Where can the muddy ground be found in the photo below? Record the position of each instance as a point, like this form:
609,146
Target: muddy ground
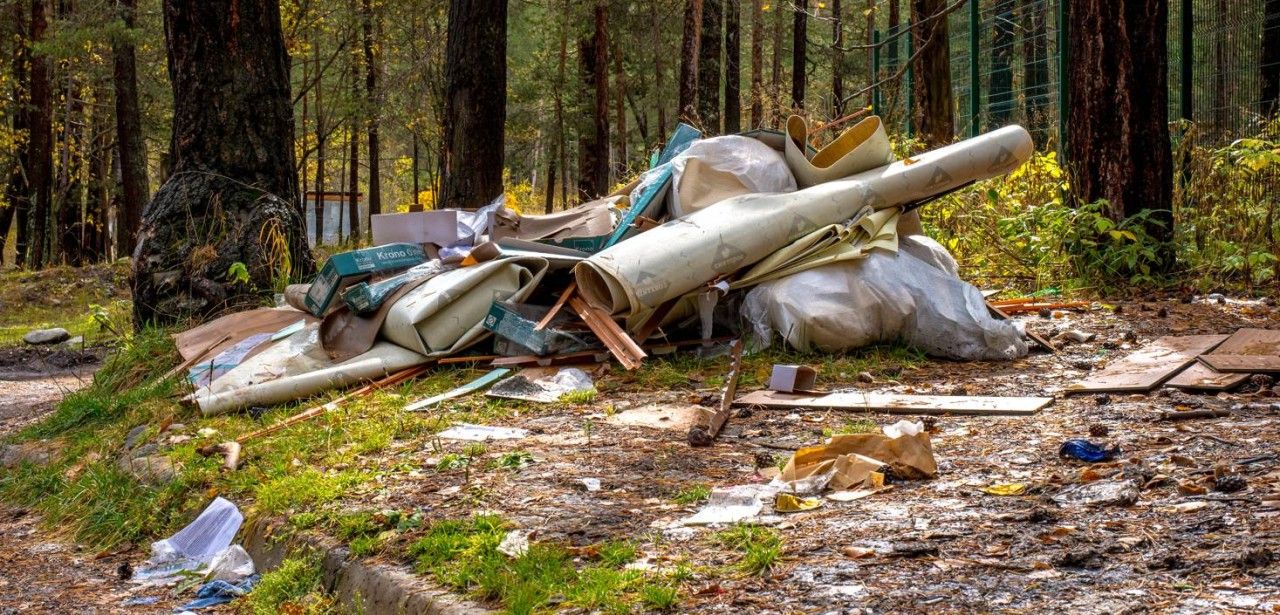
940,545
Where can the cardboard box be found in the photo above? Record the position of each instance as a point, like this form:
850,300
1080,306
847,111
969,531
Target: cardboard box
438,226
349,267
790,378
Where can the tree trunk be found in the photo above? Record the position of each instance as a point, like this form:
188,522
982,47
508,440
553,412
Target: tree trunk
40,164
689,52
775,67
1118,145
475,103
869,39
18,189
1269,66
837,59
353,154
1221,82
757,63
321,136
620,111
799,49
659,93
732,67
934,112
1000,99
68,236
98,195
133,150
374,105
709,66
593,154
562,149
233,194
1035,67
414,203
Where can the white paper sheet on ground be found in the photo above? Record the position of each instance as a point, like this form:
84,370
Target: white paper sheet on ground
298,367
446,314
482,433
683,254
733,504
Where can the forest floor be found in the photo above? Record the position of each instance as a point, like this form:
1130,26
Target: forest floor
382,481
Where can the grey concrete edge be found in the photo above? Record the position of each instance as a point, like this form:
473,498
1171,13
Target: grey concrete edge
368,588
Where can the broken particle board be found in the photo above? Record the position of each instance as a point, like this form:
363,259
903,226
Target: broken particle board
1148,367
1242,363
1243,342
900,404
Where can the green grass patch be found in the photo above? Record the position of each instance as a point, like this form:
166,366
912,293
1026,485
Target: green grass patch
692,494
579,398
62,297
305,487
463,555
294,587
855,426
761,547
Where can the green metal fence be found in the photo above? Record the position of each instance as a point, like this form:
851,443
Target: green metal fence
1007,66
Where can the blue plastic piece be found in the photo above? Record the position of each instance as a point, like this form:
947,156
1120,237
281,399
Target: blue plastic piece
680,140
1085,450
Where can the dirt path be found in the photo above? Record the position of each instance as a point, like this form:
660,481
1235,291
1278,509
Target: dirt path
40,572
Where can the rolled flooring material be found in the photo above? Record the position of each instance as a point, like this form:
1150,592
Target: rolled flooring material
685,253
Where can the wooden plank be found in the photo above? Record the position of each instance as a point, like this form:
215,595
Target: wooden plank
1243,342
555,309
1201,377
1242,363
623,348
705,433
900,404
1150,366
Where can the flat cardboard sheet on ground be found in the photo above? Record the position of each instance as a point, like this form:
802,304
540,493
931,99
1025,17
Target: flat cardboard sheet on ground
900,404
1150,366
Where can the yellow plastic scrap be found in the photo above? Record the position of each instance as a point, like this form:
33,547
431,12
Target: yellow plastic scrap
787,503
1006,489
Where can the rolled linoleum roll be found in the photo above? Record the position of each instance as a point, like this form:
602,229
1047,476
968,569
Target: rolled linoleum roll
685,253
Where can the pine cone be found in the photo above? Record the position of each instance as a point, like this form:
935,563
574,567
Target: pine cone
1230,483
1098,430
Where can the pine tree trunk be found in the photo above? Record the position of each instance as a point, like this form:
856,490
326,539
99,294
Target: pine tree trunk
233,193
98,194
1269,66
620,111
775,66
562,149
689,52
17,189
414,203
593,153
837,59
732,67
132,149
1000,100
40,139
1118,144
374,106
318,205
799,49
69,195
659,91
475,103
757,63
869,39
709,66
934,112
353,154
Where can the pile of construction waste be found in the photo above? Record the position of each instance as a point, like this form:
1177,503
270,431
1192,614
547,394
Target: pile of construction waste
758,235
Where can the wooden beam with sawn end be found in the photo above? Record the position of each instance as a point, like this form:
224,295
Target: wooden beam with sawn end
891,403
1149,366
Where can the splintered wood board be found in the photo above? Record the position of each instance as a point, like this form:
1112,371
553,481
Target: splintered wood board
1242,363
1243,342
1148,367
900,404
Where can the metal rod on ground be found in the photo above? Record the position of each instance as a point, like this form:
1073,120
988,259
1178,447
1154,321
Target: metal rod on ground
705,434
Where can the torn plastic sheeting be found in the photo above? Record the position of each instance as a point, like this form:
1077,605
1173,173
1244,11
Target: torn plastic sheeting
683,254
446,314
881,298
546,389
298,367
715,169
481,433
194,546
205,372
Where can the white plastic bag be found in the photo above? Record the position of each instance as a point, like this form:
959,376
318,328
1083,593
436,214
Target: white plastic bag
718,168
881,298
